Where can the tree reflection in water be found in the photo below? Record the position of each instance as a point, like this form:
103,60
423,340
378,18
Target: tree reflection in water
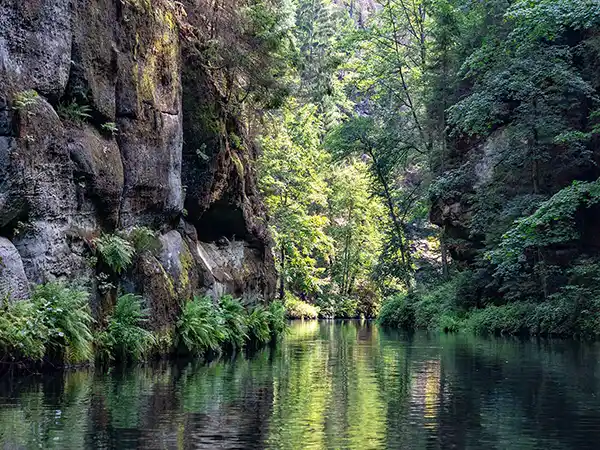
328,385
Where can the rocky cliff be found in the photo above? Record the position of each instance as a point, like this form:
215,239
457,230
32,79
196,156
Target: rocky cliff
108,122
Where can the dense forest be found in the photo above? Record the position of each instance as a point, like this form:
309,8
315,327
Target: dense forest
441,156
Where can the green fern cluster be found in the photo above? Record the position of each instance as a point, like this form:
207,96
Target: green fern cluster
208,326
115,251
56,322
144,239
25,99
233,315
200,327
125,338
74,112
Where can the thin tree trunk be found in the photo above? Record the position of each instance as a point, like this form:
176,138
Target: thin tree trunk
397,225
444,251
281,277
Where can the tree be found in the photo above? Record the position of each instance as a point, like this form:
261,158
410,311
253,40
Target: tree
291,178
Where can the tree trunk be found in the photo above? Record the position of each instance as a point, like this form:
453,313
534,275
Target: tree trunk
398,227
281,278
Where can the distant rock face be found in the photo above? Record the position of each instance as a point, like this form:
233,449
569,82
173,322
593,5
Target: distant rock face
94,137
13,282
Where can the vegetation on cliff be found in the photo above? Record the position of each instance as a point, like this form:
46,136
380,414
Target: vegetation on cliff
56,326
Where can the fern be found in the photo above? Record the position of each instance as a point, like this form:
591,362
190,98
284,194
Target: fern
55,323
23,100
125,338
233,314
74,111
258,323
23,333
110,127
116,252
200,327
277,318
67,315
144,239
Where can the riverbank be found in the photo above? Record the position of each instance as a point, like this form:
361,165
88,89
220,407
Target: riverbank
450,307
55,328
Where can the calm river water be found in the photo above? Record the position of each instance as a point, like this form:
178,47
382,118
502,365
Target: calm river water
342,385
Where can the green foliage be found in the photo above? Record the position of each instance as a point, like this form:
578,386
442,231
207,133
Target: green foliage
277,318
66,314
295,194
110,127
568,312
74,112
23,333
398,312
55,323
115,251
25,99
233,315
297,309
144,239
208,326
553,223
338,306
258,323
125,338
200,326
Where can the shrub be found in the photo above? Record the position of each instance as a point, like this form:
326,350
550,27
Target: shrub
397,311
326,305
297,309
200,326
334,305
233,315
506,319
55,323
437,303
125,338
115,251
23,333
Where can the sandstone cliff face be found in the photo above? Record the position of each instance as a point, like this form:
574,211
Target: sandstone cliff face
135,154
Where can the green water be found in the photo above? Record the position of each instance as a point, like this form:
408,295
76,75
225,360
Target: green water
327,385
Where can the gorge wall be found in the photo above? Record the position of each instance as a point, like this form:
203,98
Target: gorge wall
522,140
108,122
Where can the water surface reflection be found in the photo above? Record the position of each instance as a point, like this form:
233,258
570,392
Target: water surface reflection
328,385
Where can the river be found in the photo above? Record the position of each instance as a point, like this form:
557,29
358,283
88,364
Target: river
334,385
